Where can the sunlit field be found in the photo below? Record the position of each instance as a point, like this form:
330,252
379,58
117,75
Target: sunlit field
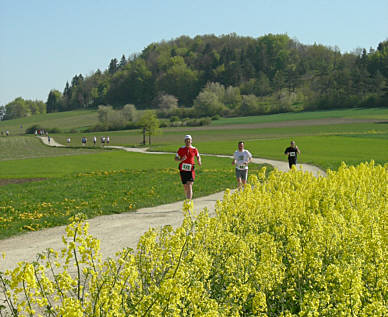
97,184
291,244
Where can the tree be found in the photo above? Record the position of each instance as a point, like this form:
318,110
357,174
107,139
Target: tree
123,61
36,106
16,109
167,103
232,97
179,80
149,124
249,106
113,66
207,104
54,101
216,88
129,112
103,113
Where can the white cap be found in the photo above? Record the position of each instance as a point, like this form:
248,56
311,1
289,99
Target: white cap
188,136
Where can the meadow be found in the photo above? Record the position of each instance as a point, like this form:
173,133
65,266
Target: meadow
326,138
24,147
97,184
325,151
72,122
69,120
99,181
372,113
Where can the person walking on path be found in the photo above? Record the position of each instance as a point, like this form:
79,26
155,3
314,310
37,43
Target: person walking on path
185,155
48,138
292,153
94,140
241,159
84,140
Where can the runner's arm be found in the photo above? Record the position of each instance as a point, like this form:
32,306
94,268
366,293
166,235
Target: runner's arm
199,159
249,158
180,159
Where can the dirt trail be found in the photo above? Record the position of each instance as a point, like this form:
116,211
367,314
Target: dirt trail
51,143
118,230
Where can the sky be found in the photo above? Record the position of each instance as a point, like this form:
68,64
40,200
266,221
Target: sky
44,43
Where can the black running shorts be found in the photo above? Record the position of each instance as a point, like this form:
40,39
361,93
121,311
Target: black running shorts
187,176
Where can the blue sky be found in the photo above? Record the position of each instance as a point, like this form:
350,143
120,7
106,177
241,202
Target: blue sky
44,43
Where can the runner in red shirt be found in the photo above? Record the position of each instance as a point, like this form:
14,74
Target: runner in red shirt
185,155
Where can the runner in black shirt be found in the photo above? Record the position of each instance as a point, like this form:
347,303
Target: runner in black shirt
292,153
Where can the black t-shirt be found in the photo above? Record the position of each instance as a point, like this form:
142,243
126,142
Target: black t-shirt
292,153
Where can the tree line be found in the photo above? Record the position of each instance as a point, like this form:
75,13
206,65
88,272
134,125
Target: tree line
232,75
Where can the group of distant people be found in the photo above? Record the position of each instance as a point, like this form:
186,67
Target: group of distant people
6,133
84,140
187,154
41,132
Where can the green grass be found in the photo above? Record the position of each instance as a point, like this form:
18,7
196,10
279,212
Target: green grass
22,147
370,113
324,151
78,119
232,132
65,165
97,182
38,205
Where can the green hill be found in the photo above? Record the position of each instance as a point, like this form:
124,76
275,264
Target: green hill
250,76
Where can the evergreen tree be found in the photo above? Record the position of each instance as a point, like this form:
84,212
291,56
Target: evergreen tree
112,66
54,101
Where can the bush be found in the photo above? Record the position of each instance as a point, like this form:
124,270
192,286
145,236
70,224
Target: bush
33,128
54,130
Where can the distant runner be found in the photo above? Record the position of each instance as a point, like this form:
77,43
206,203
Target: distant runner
241,159
185,155
292,153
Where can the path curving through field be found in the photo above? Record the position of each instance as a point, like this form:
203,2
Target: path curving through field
117,231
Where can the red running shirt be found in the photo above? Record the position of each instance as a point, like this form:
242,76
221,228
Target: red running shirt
190,152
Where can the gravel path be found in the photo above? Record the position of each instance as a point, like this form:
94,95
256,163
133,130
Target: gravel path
118,230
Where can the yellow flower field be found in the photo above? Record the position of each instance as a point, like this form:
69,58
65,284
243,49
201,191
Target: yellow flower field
288,245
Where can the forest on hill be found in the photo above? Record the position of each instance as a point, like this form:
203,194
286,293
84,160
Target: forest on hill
226,75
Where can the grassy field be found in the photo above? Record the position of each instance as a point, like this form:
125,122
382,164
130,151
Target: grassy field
23,147
104,161
99,181
105,183
230,132
66,121
323,151
79,120
325,142
373,113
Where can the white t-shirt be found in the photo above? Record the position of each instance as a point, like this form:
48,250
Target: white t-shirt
241,158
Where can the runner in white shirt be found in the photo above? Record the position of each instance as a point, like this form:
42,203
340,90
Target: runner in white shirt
241,158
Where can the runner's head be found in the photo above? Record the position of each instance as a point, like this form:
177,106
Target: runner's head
188,140
292,143
241,146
